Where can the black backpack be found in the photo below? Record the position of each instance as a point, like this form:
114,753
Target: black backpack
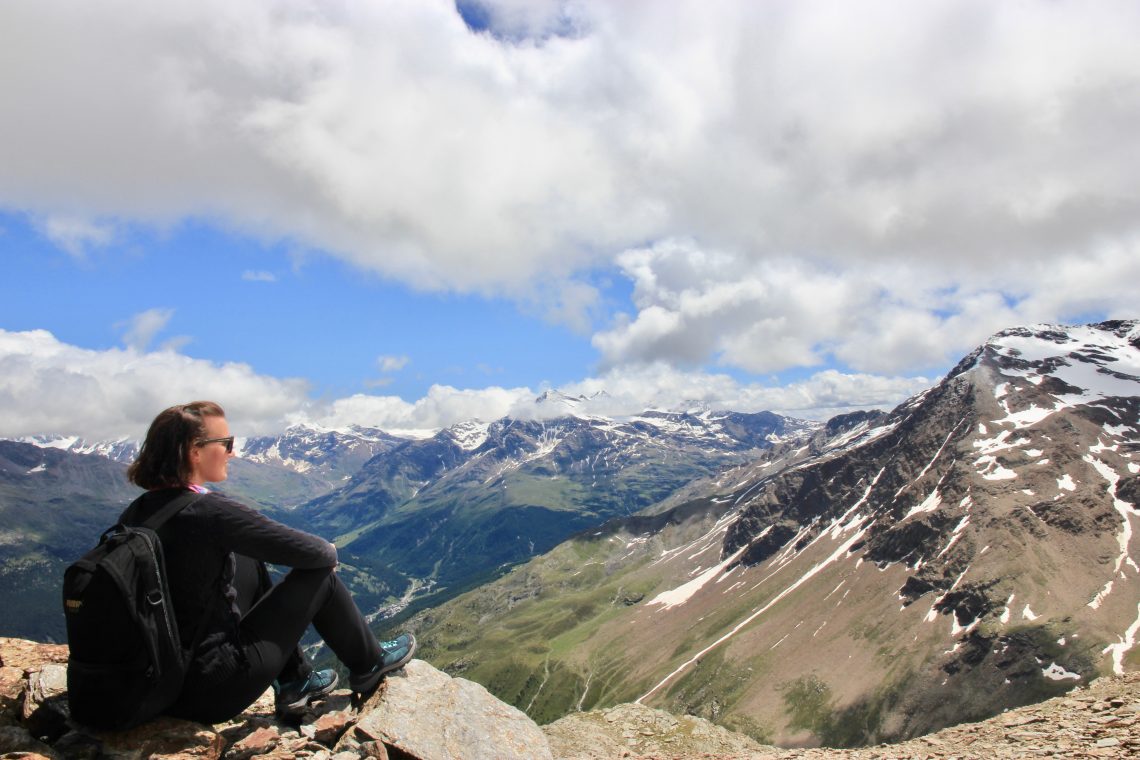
126,662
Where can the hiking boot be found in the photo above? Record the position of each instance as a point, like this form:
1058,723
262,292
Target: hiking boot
294,696
394,655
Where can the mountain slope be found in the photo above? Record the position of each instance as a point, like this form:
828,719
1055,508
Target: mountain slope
970,551
453,510
54,504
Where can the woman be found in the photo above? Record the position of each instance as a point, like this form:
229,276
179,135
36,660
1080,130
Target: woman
246,630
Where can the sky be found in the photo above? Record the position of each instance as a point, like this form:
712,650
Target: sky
410,213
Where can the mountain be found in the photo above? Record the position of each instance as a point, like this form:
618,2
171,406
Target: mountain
326,457
415,516
442,514
278,471
58,494
54,504
971,551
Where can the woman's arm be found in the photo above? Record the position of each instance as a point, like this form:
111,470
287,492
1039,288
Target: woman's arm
246,531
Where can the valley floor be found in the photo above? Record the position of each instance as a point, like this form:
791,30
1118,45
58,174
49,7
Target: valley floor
1099,721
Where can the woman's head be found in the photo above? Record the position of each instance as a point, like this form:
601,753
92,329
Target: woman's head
182,447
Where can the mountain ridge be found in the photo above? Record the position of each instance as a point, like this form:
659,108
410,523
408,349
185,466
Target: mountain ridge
920,547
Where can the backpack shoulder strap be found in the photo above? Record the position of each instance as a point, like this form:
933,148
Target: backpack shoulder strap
176,505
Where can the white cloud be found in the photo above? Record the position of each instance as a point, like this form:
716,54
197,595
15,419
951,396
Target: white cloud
627,391
258,276
392,363
441,407
695,306
139,331
76,234
49,387
881,183
393,136
630,390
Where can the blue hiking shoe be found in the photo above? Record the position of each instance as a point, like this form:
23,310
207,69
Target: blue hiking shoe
294,696
394,655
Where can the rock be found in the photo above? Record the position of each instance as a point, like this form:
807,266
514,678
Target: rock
12,685
329,727
165,738
259,742
45,711
375,750
641,730
28,655
432,716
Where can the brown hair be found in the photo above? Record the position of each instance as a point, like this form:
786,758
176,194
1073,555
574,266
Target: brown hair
164,459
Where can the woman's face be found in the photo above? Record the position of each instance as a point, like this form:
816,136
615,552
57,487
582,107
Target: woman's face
208,462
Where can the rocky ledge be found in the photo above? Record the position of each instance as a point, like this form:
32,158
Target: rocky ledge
418,713
421,713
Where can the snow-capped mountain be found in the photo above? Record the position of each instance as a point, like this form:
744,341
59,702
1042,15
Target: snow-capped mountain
274,471
477,497
333,454
972,550
119,450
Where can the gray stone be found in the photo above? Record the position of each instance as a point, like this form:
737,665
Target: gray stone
46,712
432,716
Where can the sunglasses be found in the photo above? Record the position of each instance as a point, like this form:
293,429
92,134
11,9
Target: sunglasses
228,441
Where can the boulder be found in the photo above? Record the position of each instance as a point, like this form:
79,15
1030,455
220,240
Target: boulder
45,710
429,715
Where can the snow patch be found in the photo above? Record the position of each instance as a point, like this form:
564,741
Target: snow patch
990,469
1005,613
470,435
1127,641
41,467
1066,483
683,593
1056,673
1100,595
932,502
1030,416
1028,614
1124,538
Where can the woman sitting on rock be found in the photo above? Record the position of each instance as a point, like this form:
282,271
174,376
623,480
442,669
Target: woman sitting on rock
216,548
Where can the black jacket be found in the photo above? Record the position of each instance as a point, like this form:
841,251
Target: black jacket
200,544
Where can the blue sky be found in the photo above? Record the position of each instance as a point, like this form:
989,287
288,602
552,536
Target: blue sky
401,215
231,298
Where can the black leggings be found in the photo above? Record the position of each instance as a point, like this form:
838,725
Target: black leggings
270,632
